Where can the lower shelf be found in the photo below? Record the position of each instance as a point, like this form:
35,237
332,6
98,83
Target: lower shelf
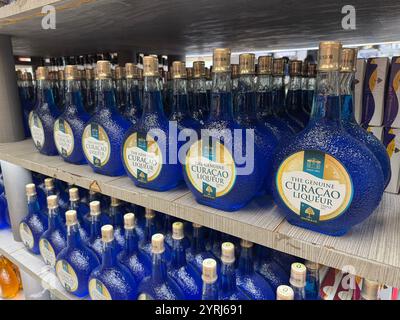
32,264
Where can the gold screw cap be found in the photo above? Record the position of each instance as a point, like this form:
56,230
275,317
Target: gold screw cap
265,65
348,60
235,70
42,73
149,213
115,202
150,66
329,55
295,68
73,194
298,274
199,69
278,67
370,289
247,63
94,208
107,233
30,189
246,244
221,60
49,183
178,70
103,69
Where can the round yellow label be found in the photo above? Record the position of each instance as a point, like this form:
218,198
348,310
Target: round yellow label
26,235
63,137
47,252
98,291
96,145
210,168
314,185
67,276
37,131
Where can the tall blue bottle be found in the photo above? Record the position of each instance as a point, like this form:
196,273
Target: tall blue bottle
210,289
95,242
120,88
104,217
68,128
265,112
131,256
197,252
111,280
146,147
312,281
149,230
76,261
200,107
278,95
298,280
326,180
116,213
270,269
54,239
249,281
88,91
265,140
82,210
27,98
133,104
185,275
34,224
51,189
213,170
103,134
311,81
44,114
159,285
349,123
228,289
294,95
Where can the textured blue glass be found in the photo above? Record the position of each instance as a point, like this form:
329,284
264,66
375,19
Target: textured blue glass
294,107
133,104
82,210
81,258
95,242
210,291
37,222
116,214
228,289
56,233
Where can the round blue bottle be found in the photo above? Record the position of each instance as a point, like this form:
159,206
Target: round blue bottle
326,180
68,128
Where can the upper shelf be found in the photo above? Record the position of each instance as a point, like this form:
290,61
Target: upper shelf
371,248
181,26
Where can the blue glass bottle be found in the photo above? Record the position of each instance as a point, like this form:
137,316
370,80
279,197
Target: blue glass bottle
298,280
312,281
34,224
168,94
82,210
231,185
68,128
235,84
285,260
347,174
200,107
103,134
120,89
185,276
27,98
278,95
104,217
294,95
265,140
311,82
208,85
190,91
111,280
89,91
228,289
304,89
145,155
54,239
131,256
133,104
95,242
75,262
44,114
210,290
116,214
347,114
159,285
264,100
51,188
270,269
197,253
250,282
4,215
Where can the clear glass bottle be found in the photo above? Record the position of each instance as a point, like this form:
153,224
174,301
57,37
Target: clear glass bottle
95,242
111,280
298,280
43,115
131,256
133,104
210,280
140,146
159,285
103,135
312,281
347,71
351,187
34,224
54,239
200,107
76,261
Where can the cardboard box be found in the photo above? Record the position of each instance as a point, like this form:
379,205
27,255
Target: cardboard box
392,112
374,91
391,140
358,88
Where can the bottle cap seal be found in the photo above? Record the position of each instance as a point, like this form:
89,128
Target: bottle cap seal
246,244
278,66
221,60
94,208
189,73
52,202
73,194
312,70
311,265
199,69
42,73
348,60
89,74
71,72
178,70
119,73
329,55
235,70
115,202
209,274
265,65
177,231
295,68
49,183
107,233
129,221
284,293
247,63
228,252
157,243
70,218
150,66
149,213
298,275
103,69
132,71
30,189
370,289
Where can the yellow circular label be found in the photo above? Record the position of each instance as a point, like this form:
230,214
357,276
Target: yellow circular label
210,168
47,252
145,296
37,131
26,235
63,137
96,145
98,291
142,156
67,276
314,185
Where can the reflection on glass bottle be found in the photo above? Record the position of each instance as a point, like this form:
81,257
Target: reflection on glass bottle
133,104
200,107
26,96
95,242
120,88
298,280
88,90
312,281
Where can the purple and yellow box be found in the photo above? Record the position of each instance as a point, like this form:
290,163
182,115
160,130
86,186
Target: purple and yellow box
392,106
391,140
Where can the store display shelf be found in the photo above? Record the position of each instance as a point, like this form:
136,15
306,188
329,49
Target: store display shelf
371,249
31,264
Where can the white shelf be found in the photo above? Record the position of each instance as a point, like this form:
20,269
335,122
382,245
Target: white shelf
372,248
32,264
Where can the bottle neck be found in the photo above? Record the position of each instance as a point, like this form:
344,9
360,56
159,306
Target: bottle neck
95,228
74,205
131,241
55,219
199,86
109,254
73,236
347,96
180,101
197,245
278,95
45,92
210,291
311,84
133,94
73,96
152,97
178,254
221,97
326,104
264,95
246,98
33,204
116,216
228,277
150,229
246,265
159,268
105,95
295,83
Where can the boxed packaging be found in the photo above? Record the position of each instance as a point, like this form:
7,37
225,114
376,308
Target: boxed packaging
392,112
391,140
374,91
358,89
